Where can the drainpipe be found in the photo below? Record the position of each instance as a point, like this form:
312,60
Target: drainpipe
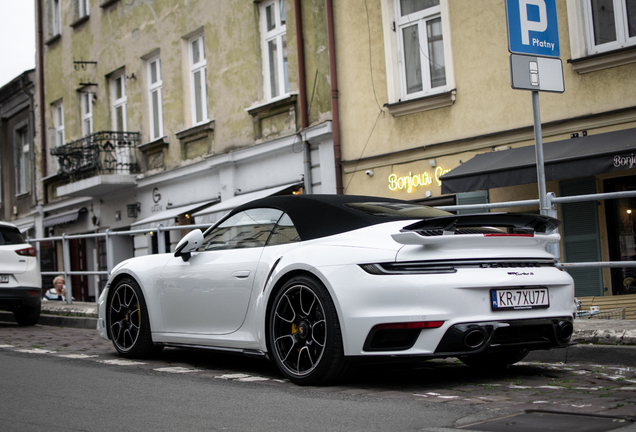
302,94
335,110
41,96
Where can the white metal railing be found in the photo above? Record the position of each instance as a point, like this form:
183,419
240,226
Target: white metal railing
552,200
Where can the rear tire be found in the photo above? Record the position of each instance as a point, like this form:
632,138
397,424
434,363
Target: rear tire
304,334
494,360
128,321
27,316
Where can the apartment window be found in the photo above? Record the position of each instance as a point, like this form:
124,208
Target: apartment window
611,24
22,151
118,98
56,18
58,119
86,106
155,99
421,47
198,80
418,55
83,8
274,32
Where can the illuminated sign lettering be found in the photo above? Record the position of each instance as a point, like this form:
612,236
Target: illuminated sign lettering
414,180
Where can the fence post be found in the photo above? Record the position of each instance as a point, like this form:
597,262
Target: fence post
109,252
161,239
553,248
66,256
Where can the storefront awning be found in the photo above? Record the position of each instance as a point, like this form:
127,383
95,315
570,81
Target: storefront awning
167,217
214,213
576,157
62,218
24,224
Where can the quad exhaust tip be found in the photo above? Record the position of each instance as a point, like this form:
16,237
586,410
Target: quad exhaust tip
475,338
565,330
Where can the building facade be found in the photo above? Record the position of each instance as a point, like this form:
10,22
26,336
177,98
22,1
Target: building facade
20,194
158,110
426,87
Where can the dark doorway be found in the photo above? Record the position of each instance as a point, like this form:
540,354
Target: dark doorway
620,215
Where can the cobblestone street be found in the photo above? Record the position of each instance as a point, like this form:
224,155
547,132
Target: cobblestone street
573,387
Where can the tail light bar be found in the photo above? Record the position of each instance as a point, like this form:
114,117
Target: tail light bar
409,325
30,251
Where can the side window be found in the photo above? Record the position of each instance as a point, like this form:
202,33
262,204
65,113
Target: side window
247,229
284,232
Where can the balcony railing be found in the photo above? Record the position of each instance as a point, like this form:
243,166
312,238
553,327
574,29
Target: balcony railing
105,152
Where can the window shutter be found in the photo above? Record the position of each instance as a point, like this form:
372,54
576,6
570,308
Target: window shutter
467,198
581,240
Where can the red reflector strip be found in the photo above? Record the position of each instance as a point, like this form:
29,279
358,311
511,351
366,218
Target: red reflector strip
508,235
26,252
409,325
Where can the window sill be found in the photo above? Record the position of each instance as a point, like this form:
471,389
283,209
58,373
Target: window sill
425,103
105,3
78,22
195,131
272,105
605,60
53,39
154,146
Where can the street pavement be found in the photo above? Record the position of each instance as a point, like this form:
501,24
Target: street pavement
578,385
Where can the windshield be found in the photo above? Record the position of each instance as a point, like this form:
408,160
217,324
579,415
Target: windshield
397,210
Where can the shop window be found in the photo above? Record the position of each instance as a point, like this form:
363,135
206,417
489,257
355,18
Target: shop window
418,53
468,198
581,239
621,233
274,41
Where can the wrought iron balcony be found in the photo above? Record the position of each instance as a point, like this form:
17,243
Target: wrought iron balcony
105,152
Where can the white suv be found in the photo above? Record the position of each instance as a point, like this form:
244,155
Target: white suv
20,281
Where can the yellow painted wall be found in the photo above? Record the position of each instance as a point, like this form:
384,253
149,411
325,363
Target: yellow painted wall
487,112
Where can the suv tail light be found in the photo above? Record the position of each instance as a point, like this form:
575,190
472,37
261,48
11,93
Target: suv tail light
30,251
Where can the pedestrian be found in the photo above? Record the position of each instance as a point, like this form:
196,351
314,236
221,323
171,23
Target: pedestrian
58,292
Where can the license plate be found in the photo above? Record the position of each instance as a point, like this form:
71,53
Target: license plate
4,278
520,298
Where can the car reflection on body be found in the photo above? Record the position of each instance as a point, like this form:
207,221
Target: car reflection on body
317,283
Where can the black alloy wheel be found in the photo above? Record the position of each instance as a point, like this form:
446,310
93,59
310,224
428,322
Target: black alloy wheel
304,333
128,320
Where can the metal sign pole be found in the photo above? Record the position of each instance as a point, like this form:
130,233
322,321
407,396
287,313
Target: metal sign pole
538,146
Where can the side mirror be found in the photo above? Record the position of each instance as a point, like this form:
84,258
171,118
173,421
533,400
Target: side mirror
190,243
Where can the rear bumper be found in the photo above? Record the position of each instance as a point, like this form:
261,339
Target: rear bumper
464,339
15,298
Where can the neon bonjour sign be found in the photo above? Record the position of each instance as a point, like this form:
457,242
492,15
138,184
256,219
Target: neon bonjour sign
410,181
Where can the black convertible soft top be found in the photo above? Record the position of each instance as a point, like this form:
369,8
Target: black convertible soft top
316,216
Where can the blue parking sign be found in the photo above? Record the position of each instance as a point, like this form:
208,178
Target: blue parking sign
533,27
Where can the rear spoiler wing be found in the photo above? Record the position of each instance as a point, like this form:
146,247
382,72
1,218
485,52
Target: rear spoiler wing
520,223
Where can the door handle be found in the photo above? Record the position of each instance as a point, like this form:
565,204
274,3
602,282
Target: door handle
241,274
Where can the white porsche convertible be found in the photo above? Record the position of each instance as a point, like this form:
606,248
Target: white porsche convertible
317,283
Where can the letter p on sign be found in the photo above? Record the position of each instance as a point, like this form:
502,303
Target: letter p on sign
533,27
526,25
